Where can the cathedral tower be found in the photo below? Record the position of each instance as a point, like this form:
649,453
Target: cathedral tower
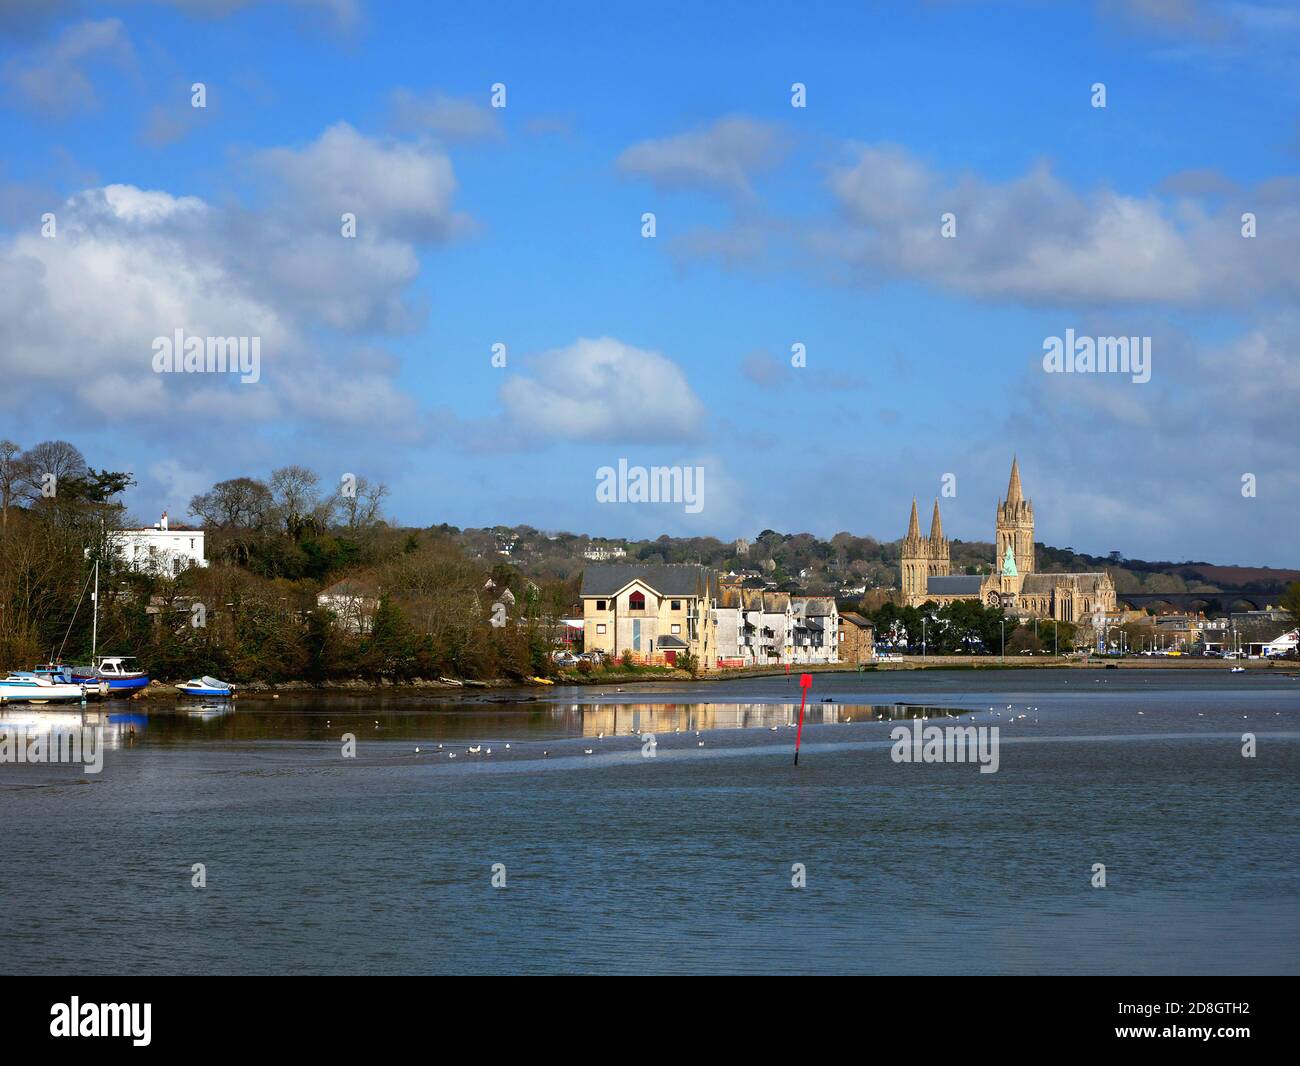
915,562
940,559
1015,526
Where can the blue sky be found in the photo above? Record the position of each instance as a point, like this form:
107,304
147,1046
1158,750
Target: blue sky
775,225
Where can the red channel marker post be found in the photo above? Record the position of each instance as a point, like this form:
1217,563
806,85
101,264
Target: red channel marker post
805,683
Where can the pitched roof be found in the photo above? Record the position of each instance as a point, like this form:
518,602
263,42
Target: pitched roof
856,619
667,579
955,585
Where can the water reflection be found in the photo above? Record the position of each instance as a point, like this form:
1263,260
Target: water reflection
119,729
316,720
617,719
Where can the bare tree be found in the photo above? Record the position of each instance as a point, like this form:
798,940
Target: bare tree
50,462
12,475
238,503
360,509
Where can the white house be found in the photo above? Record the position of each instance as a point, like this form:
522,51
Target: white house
161,549
354,601
1283,645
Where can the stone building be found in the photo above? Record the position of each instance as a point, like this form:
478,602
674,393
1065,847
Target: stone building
857,639
926,568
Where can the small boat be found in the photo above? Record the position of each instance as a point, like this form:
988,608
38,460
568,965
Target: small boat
206,686
541,681
451,681
118,670
1237,670
32,688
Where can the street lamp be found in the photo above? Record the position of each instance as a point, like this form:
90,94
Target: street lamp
1004,639
923,637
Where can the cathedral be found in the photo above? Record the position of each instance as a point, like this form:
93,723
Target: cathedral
927,569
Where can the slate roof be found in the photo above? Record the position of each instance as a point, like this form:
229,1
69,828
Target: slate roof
667,579
955,585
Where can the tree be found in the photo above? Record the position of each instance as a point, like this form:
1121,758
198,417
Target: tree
13,473
360,507
294,489
1291,602
47,465
238,503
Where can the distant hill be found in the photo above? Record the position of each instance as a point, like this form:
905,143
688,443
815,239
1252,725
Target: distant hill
804,562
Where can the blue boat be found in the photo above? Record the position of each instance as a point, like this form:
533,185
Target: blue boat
207,686
116,671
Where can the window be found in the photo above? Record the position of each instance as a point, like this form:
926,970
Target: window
676,628
600,627
600,605
677,605
636,601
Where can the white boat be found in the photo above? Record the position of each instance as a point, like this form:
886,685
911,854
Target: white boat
206,686
1237,670
32,688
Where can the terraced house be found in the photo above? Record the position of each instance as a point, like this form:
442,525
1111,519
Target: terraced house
658,612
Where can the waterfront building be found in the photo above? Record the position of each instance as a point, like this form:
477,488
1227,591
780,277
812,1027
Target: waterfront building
658,612
815,638
856,639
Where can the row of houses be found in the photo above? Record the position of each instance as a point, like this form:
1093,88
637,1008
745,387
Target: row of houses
663,612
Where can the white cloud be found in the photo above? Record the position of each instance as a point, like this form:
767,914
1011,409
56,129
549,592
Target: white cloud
724,155
80,311
400,189
1036,240
450,117
604,389
53,77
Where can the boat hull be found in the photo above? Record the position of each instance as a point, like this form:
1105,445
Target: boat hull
12,693
117,686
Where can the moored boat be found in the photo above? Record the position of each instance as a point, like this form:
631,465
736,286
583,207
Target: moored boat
119,671
206,686
29,687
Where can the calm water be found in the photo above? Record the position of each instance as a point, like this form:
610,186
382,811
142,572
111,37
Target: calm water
680,863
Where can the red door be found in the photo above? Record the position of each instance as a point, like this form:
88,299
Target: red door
671,658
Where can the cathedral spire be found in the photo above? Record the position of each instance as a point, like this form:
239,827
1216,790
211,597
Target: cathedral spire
936,526
1014,493
914,524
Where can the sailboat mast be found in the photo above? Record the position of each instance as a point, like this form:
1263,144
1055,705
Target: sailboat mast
94,625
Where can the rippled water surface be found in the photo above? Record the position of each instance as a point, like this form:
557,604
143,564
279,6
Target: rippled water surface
615,862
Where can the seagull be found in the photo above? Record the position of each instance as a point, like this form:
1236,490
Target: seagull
600,736
507,747
586,751
417,751
700,744
451,755
488,752
474,750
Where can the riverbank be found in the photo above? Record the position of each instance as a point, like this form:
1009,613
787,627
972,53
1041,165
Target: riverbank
666,676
